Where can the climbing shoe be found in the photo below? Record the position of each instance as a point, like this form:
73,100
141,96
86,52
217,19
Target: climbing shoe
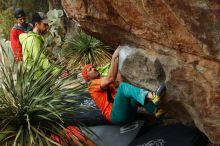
158,94
159,112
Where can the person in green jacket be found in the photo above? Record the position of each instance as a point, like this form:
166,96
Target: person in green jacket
32,43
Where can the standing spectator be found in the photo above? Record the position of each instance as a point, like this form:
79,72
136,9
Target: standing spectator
19,28
32,43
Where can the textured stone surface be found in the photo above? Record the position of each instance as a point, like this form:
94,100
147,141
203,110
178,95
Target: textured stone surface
180,45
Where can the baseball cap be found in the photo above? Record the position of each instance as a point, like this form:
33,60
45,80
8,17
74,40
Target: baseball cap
18,13
40,16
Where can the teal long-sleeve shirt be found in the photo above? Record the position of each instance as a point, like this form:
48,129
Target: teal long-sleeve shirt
32,44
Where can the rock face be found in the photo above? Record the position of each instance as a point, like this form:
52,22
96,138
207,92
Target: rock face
180,45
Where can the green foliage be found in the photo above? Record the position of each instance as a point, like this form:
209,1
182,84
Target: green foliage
6,23
31,6
6,45
31,109
81,49
54,16
5,4
6,12
103,70
54,48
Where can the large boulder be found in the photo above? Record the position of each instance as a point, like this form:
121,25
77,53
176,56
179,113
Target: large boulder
178,44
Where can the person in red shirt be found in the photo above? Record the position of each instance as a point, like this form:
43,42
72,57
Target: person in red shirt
119,106
20,27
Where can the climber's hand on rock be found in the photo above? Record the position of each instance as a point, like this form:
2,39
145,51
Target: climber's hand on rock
116,53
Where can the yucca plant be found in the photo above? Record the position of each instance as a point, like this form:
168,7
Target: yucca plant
86,49
31,108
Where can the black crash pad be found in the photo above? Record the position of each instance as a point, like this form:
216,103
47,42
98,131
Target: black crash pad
115,135
171,135
87,112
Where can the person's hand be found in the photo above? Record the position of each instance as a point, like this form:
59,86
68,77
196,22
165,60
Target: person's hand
116,53
64,74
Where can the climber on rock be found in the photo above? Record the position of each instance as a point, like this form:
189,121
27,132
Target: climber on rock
119,106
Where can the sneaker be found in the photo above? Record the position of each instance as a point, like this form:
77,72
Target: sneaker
158,94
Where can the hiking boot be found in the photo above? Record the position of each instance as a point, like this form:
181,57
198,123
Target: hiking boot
158,94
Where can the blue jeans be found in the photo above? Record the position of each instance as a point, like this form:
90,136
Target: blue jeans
126,103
